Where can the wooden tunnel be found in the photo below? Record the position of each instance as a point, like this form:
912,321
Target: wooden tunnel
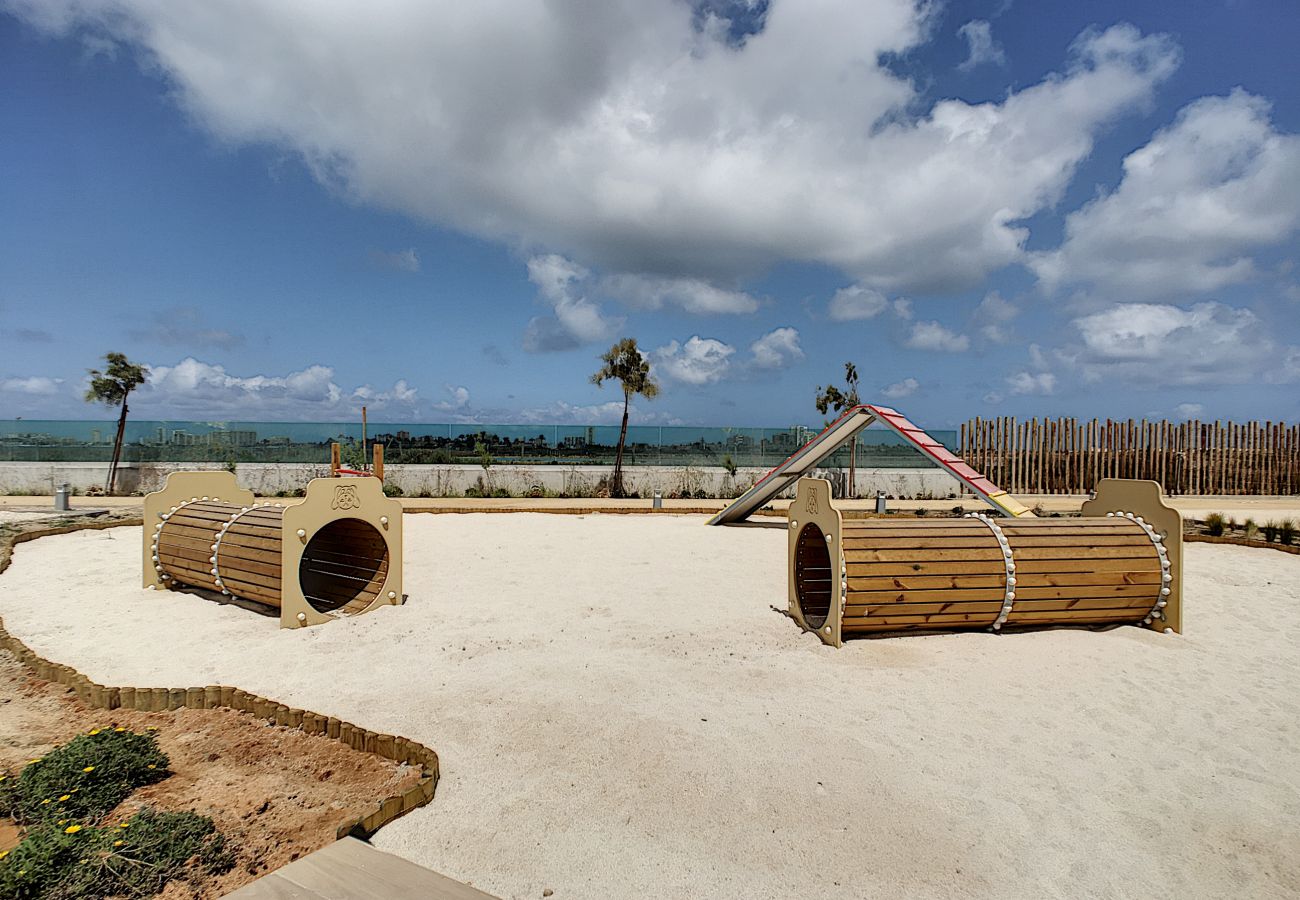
1119,563
337,552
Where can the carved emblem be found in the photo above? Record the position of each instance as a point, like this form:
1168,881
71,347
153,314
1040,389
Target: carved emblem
345,497
812,501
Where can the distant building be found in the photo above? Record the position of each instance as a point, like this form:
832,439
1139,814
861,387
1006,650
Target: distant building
233,438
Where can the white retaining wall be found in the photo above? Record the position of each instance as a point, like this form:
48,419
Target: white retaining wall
452,480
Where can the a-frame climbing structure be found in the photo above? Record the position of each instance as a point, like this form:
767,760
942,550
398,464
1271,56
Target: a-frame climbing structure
811,454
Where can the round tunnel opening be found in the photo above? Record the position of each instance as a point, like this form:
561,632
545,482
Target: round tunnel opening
814,578
343,566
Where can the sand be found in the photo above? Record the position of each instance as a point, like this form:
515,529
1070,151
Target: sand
620,713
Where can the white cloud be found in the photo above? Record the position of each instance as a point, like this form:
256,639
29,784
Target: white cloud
933,336
398,260
857,302
31,385
981,48
1193,204
622,135
195,389
903,308
691,294
1209,343
457,398
1032,383
776,349
699,361
1190,410
401,392
905,388
576,320
992,317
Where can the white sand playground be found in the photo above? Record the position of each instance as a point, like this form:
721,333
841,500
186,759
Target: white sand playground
621,714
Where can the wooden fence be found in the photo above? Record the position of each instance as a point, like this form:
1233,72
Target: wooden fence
1067,456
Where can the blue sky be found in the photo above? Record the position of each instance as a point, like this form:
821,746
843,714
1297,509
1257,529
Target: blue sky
446,212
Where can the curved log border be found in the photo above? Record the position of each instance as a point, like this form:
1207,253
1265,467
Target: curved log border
98,696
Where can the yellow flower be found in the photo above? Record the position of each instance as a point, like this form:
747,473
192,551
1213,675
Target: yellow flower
151,766
38,759
119,729
88,769
118,843
63,821
65,797
3,853
123,824
3,777
95,730
45,801
72,829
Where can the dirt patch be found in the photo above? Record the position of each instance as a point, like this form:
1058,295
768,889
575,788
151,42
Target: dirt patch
275,793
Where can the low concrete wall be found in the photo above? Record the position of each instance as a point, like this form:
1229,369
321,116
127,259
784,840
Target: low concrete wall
453,481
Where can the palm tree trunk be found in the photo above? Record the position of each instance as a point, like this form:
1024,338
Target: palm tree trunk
111,485
616,489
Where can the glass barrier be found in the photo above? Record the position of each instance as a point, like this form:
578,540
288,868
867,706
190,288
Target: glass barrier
446,444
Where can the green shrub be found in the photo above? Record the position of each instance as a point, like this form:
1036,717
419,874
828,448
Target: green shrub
922,512
1270,531
135,858
83,780
1214,524
1286,531
392,490
1251,529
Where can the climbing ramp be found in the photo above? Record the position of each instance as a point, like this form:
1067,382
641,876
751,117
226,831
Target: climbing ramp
845,428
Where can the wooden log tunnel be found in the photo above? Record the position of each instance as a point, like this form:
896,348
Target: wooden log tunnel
338,552
1119,563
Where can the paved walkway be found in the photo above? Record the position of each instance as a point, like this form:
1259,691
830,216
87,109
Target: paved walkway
350,869
1261,509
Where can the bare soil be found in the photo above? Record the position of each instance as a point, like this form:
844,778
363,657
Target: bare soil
275,793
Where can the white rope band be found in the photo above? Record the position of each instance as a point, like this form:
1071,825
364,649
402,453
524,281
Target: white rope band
1009,591
216,546
1166,574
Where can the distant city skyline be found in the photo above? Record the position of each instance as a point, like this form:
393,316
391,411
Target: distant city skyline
992,208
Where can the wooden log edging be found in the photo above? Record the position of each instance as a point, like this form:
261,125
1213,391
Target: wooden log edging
97,696
1240,542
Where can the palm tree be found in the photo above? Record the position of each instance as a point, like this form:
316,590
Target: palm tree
625,363
111,386
832,398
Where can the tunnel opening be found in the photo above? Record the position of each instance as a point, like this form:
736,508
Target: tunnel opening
343,567
814,576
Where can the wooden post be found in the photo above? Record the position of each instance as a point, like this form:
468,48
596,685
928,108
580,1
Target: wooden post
335,461
378,469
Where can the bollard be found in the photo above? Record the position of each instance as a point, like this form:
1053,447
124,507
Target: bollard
658,502
61,497
880,501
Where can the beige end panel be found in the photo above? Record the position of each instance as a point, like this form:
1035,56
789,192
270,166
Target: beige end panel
328,500
1146,499
812,506
179,488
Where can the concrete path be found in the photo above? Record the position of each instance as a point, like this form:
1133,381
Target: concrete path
1261,509
349,869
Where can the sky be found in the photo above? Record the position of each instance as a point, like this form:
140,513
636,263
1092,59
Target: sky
447,211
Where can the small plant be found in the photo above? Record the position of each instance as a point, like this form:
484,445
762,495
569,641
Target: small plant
1251,529
1231,525
83,780
1286,531
392,490
1270,529
730,465
135,858
922,512
484,455
1214,524
1039,510
959,510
